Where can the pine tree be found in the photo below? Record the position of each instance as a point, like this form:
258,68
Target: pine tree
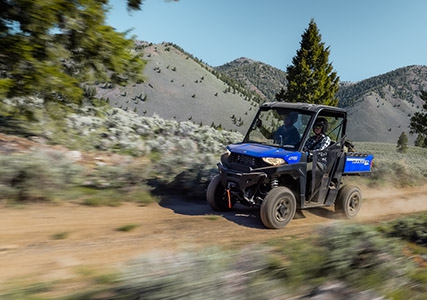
402,143
281,95
49,48
419,121
419,141
311,78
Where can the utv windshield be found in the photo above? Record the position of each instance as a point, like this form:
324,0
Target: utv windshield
279,127
287,128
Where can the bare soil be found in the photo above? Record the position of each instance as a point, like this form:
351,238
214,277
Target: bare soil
49,242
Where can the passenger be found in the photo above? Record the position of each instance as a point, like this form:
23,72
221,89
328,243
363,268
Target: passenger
319,141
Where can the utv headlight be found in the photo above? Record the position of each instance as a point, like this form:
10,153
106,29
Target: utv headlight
224,157
274,161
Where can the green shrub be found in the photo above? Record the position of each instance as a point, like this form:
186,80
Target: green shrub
360,255
40,176
60,235
412,229
128,227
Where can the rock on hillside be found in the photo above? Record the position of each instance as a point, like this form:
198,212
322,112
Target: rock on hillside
179,87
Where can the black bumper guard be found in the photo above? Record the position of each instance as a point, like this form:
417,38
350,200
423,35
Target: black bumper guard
239,180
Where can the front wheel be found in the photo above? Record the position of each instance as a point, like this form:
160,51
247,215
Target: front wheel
349,201
216,195
278,208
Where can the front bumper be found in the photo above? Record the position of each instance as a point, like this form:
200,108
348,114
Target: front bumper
239,181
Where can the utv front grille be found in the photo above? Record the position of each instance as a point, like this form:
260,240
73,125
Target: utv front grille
246,160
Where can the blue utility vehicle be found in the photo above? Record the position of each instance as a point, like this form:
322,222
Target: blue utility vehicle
274,169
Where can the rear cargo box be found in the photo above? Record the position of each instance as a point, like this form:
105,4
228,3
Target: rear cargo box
357,163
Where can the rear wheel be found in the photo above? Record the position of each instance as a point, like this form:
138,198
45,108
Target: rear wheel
349,201
216,195
278,208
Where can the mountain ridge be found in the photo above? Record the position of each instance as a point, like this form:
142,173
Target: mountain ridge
181,87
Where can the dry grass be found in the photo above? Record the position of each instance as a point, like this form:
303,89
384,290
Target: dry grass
394,168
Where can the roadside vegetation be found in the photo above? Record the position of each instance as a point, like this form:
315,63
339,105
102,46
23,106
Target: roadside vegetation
111,154
139,158
394,168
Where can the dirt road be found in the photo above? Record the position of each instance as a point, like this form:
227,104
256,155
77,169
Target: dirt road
49,242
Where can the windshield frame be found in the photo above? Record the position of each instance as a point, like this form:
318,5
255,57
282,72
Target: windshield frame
304,124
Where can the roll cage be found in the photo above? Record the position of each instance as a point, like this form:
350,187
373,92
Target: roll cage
270,118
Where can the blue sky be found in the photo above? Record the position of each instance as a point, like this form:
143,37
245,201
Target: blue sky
366,37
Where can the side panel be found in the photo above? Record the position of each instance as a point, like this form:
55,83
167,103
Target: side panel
357,163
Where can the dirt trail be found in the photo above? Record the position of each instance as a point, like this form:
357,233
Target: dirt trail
28,247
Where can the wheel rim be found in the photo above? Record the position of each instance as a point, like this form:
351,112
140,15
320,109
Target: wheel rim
353,204
282,210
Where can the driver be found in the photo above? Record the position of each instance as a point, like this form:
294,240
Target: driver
287,134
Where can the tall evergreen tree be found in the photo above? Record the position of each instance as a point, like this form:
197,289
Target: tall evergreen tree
311,78
419,141
418,122
402,143
49,48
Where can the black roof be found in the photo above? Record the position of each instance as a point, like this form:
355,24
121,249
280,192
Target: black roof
304,106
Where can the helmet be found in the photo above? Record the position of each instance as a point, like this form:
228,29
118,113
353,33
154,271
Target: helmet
322,122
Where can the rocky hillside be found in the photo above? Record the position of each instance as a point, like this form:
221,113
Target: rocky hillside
380,107
256,76
180,87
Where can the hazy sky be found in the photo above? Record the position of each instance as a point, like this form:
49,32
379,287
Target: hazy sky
366,37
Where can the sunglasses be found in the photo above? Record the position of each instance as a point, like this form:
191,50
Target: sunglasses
317,126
